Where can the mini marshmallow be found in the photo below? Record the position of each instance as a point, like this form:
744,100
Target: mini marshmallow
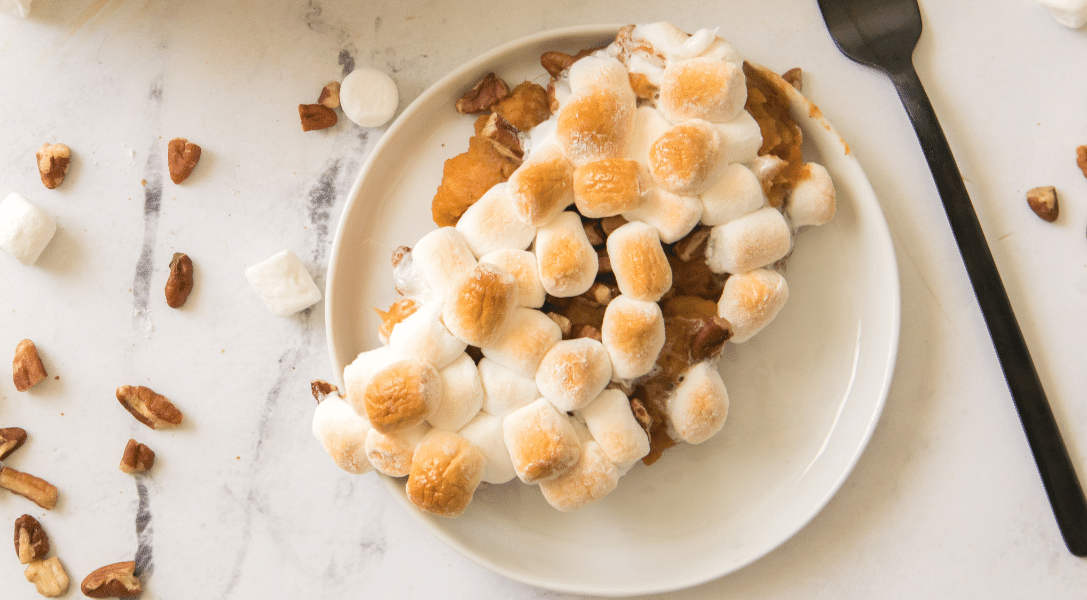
688,157
749,242
521,345
407,281
524,268
19,8
485,432
672,215
504,390
541,441
462,395
25,229
698,407
812,200
390,453
441,258
422,335
737,193
445,472
479,305
665,38
633,334
568,262
542,187
597,72
573,373
649,125
741,138
596,124
342,433
614,427
492,223
702,88
751,300
608,187
283,283
722,49
402,394
1070,13
590,479
638,261
368,97
357,375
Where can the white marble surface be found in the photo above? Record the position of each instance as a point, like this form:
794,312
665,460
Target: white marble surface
242,502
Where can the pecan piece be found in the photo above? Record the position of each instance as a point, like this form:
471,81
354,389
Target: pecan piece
330,95
692,245
641,414
794,77
149,408
179,283
1081,159
35,489
1043,201
589,331
489,91
556,62
27,369
137,458
710,338
53,161
181,158
322,389
10,440
31,542
48,577
316,116
505,138
565,326
112,581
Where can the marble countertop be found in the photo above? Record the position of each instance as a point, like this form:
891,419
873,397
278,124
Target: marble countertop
243,503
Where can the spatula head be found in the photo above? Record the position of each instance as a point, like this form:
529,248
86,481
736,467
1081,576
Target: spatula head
879,33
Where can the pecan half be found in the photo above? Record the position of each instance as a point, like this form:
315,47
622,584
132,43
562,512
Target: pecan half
710,338
112,581
31,542
149,408
321,389
556,62
137,458
27,369
53,161
179,283
1081,159
316,116
181,158
330,95
1043,201
10,440
489,91
505,138
35,489
48,577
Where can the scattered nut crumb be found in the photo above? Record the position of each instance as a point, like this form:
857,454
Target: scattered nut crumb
489,91
321,389
316,116
10,440
149,408
1081,159
181,157
137,458
330,95
48,577
179,283
112,581
27,368
1043,201
793,76
53,161
35,489
31,542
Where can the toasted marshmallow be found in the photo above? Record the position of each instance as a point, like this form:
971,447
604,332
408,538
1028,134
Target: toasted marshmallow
722,49
812,201
593,72
504,390
493,223
1070,13
633,334
638,261
462,395
737,193
521,345
702,88
402,394
485,432
25,231
407,281
741,138
665,38
611,186
542,187
524,268
357,375
590,479
751,300
441,258
422,335
390,453
479,305
749,242
445,472
342,433
672,215
649,125
688,157
573,372
541,441
596,124
614,427
568,262
698,407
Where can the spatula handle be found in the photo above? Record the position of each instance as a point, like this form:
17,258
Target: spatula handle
1055,466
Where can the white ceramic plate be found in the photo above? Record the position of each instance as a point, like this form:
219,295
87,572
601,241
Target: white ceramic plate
806,392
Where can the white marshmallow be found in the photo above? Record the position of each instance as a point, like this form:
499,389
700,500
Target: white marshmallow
702,88
568,263
751,300
492,223
590,479
521,345
633,334
541,441
422,335
462,395
485,432
542,187
698,407
598,72
19,8
737,193
357,375
283,283
614,427
672,215
665,38
342,433
722,49
504,390
573,373
25,229
649,125
749,242
390,453
741,138
1070,13
441,258
408,282
368,97
812,201
524,268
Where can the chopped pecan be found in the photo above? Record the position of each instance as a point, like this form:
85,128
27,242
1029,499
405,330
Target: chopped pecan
565,326
594,232
48,577
642,416
330,95
316,116
10,440
489,91
793,77
693,245
589,331
137,458
1043,201
505,137
35,489
112,581
53,161
31,542
709,338
149,408
1081,159
181,158
179,283
610,224
321,389
27,369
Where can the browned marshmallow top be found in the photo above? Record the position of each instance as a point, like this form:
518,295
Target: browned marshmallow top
402,394
480,304
445,471
608,187
685,158
542,187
